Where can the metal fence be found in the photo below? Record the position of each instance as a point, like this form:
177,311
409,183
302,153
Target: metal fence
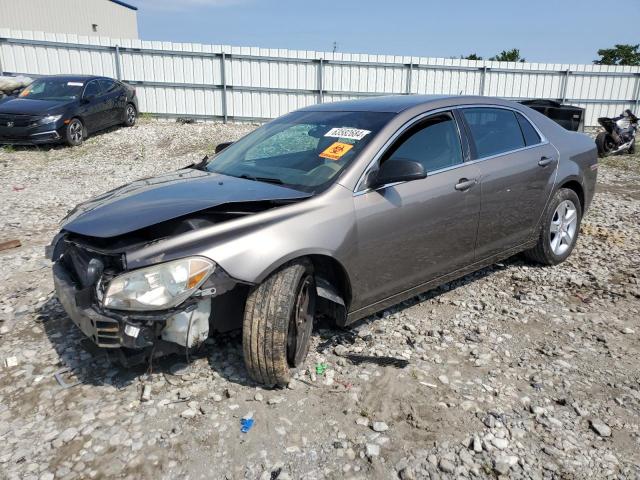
222,82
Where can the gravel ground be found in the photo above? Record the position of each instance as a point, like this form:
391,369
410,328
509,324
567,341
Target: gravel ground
515,371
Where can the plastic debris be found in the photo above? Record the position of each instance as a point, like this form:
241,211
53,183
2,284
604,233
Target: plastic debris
321,368
61,381
11,362
246,424
381,361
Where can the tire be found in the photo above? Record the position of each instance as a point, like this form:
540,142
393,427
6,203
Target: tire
605,144
130,115
75,133
273,341
551,249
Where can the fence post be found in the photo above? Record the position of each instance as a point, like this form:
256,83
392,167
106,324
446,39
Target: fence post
637,93
320,81
409,78
565,85
482,79
223,61
118,71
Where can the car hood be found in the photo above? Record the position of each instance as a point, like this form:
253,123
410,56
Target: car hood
26,106
154,200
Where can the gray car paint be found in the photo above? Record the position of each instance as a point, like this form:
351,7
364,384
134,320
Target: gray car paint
397,240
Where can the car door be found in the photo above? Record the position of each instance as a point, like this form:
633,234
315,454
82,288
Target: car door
517,171
412,232
93,110
115,99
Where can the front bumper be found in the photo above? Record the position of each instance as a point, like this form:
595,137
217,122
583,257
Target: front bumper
52,133
107,331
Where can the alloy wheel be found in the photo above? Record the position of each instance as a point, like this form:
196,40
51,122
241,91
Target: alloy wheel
131,115
75,131
564,224
301,323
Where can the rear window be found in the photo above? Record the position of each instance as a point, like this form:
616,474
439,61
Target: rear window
531,137
494,130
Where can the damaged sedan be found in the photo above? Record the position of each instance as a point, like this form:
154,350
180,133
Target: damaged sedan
335,210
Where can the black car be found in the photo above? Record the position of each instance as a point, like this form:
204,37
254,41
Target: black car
66,108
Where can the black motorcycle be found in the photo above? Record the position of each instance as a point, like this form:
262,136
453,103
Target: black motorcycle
619,134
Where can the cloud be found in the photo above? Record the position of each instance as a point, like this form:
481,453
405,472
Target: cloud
183,5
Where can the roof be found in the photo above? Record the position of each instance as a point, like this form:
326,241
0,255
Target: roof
71,78
126,5
389,103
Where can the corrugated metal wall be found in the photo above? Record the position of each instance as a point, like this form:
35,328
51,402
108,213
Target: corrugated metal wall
76,16
226,82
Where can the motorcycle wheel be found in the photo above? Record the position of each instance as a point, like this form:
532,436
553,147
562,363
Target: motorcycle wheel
632,148
605,144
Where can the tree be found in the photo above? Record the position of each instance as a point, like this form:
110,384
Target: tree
472,56
512,55
619,55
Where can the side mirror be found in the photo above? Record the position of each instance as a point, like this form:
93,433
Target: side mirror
88,98
222,146
396,170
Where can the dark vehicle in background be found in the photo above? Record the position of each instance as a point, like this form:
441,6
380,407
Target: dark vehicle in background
619,134
569,116
66,108
337,210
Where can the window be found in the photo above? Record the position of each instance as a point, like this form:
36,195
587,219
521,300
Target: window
435,143
92,89
108,86
531,137
494,130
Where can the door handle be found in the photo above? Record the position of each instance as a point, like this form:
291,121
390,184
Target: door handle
544,161
465,184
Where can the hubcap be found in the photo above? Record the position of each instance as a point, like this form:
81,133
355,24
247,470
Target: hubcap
301,323
75,131
564,224
131,114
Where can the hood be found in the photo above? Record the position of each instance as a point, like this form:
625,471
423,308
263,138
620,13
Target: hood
27,106
148,202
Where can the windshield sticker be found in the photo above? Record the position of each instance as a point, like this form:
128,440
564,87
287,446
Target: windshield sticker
345,132
336,150
75,84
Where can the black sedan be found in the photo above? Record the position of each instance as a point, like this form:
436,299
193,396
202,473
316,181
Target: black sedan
66,109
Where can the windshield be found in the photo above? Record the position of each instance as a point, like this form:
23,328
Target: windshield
53,89
302,150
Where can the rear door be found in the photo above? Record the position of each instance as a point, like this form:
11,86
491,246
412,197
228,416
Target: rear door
412,232
517,170
114,96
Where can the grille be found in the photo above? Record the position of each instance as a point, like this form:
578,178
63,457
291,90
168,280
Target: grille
107,333
18,120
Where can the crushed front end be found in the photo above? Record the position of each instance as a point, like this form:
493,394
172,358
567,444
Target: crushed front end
160,308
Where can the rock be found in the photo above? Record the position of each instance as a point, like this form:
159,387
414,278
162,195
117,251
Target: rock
407,473
503,463
379,427
146,393
372,450
500,443
600,428
67,435
340,350
446,465
364,421
444,379
188,413
258,397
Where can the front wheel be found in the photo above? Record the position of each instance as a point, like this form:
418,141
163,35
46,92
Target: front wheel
74,133
560,227
278,321
605,144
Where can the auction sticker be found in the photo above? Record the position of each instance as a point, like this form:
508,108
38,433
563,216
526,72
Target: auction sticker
336,150
350,133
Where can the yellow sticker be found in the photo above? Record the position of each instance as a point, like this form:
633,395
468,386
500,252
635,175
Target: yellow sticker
25,92
336,150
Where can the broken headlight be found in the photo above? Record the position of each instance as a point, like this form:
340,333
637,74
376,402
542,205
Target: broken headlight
158,287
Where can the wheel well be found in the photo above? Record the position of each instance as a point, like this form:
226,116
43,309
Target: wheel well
577,188
331,270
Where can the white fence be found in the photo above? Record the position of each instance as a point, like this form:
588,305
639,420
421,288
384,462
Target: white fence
241,83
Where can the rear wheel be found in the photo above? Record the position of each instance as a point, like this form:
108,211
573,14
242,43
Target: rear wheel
605,144
278,322
75,132
559,232
130,115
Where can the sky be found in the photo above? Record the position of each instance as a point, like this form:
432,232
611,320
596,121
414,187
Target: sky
550,31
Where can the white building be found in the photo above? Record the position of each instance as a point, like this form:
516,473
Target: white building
108,18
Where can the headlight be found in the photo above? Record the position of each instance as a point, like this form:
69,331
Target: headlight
158,287
48,119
